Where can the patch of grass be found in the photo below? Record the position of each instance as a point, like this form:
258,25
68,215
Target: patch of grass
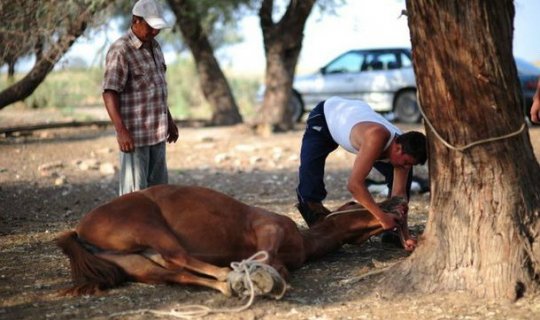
71,89
68,90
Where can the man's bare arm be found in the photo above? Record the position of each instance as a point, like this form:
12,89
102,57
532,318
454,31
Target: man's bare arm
370,142
123,136
399,185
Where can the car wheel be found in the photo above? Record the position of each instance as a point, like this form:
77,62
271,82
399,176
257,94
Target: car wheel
296,106
406,107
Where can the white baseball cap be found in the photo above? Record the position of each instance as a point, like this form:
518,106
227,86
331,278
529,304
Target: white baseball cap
151,12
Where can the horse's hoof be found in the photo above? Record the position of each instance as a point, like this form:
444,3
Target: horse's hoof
263,282
235,281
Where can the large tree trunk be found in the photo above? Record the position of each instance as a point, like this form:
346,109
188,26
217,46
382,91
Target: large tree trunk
46,60
212,80
11,71
282,45
483,232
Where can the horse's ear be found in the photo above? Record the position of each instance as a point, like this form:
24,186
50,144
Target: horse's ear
350,205
390,205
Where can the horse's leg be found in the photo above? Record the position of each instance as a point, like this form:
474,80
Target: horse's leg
146,271
136,222
175,256
270,238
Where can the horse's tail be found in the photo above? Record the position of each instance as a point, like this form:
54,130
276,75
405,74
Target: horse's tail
90,273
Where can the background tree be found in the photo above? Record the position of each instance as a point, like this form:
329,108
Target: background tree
282,46
483,232
190,16
39,28
10,34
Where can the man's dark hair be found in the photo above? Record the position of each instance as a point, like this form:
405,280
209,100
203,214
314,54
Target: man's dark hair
414,144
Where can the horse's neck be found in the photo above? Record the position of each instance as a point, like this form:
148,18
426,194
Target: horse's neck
331,234
321,239
326,236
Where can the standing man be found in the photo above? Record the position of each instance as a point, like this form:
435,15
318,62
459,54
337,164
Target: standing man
135,95
353,125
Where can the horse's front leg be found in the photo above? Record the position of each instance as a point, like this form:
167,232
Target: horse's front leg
270,237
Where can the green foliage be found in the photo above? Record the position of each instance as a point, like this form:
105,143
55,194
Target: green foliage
31,27
186,99
72,89
67,90
245,88
219,19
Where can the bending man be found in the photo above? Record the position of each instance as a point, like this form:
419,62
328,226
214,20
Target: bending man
354,126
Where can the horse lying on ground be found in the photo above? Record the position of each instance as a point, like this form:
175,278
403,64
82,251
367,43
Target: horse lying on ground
189,235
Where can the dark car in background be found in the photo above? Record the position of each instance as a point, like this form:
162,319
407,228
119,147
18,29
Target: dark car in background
384,78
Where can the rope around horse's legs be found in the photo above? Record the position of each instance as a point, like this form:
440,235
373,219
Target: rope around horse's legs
245,267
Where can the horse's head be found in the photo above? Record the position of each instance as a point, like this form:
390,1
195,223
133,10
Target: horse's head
399,206
362,224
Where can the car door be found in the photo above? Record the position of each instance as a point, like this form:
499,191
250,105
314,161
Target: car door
370,75
338,78
382,75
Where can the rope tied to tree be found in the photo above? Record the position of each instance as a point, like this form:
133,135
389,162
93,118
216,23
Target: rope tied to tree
469,145
241,279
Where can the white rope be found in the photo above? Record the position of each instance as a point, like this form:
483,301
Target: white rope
472,144
246,268
335,213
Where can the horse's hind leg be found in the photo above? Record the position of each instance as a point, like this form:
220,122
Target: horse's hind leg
174,256
143,270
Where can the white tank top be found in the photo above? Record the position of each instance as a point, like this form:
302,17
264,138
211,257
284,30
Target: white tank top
342,114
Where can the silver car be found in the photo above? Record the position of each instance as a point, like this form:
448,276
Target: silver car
384,78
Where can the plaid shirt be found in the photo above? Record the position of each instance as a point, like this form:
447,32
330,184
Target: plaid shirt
140,82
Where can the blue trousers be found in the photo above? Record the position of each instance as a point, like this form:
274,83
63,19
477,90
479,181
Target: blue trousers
317,144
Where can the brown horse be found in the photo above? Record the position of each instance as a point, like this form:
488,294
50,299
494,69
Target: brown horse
189,235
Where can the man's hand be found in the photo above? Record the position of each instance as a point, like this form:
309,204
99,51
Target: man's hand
125,140
389,221
535,108
111,99
172,132
410,244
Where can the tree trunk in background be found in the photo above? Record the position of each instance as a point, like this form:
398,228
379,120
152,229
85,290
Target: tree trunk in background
483,231
282,45
11,71
212,80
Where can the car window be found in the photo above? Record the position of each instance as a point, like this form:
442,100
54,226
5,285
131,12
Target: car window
405,60
381,61
347,63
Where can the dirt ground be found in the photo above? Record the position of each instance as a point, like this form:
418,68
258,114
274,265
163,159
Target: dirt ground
49,179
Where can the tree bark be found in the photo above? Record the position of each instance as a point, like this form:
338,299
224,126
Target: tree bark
483,231
213,83
282,46
11,71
